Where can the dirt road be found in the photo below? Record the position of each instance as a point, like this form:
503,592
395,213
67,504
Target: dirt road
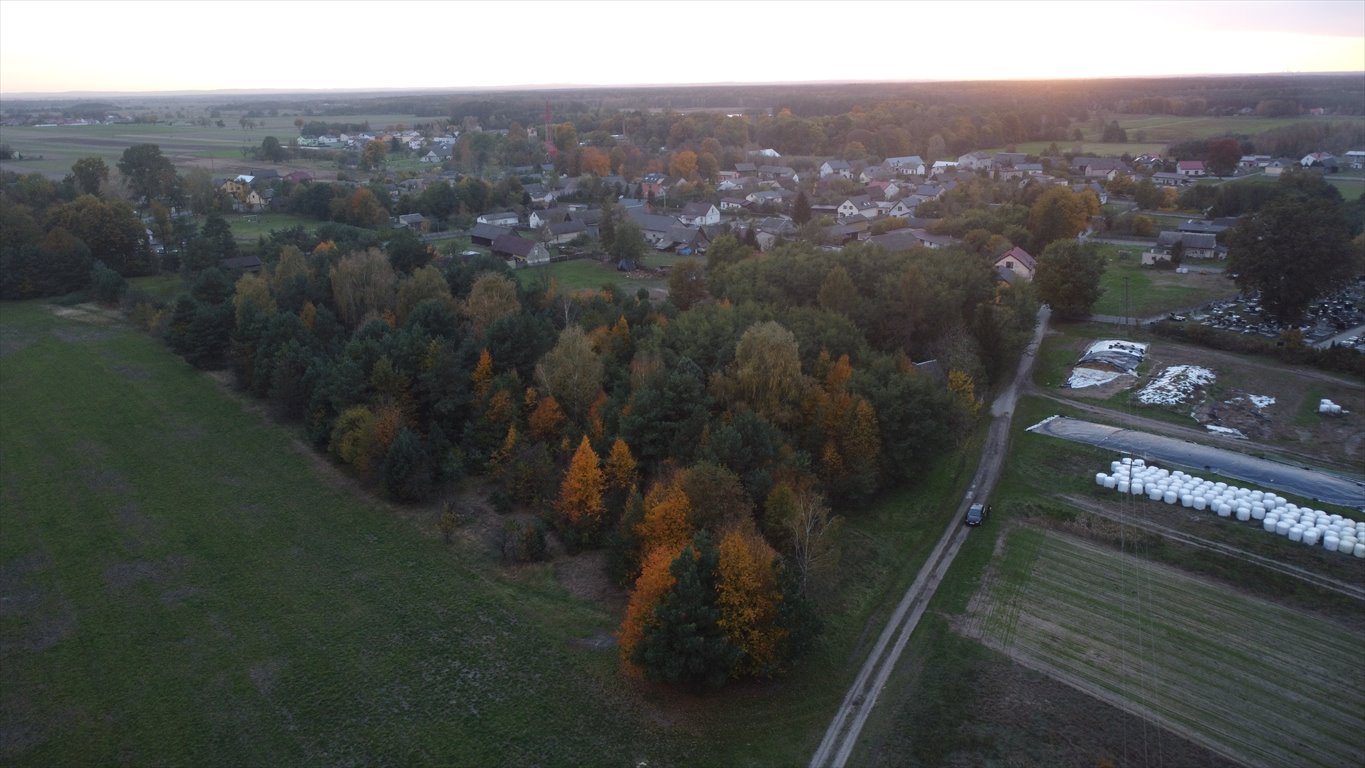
842,734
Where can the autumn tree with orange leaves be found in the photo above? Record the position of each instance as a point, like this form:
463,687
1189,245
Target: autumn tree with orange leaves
749,597
580,495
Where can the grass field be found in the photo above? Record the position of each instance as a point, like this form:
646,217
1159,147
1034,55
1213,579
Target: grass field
186,583
250,227
1260,682
1169,129
184,586
1152,292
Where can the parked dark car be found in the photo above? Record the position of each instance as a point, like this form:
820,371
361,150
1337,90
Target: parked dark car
977,514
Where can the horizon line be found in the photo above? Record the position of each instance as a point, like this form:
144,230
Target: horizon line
247,91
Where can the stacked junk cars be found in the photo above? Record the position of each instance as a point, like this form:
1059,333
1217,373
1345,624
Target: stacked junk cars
1276,515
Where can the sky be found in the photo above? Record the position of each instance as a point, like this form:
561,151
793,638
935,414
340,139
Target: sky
57,46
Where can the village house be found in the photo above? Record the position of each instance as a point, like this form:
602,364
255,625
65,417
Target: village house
839,168
909,165
979,160
1190,168
500,218
524,252
699,214
1018,261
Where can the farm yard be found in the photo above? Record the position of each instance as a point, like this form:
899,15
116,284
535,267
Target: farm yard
1261,683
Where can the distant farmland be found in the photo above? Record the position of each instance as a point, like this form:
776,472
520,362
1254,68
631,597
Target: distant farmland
1261,683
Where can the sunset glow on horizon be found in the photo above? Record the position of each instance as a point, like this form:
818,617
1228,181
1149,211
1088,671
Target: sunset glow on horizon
202,46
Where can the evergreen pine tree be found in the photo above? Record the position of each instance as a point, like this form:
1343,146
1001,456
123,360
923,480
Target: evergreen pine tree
686,644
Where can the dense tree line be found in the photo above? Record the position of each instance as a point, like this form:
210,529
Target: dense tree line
707,449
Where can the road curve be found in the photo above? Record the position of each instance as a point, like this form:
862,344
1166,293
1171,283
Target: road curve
843,732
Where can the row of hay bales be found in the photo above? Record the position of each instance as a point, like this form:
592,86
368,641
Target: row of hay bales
1311,527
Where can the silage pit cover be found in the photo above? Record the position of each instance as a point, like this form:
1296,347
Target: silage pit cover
1120,356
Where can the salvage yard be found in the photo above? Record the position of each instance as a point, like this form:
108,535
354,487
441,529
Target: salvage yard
1261,683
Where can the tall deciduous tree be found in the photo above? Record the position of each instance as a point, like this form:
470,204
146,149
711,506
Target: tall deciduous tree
1068,277
655,580
686,284
90,173
492,297
148,172
1294,250
110,228
1060,213
801,208
580,495
749,597
621,466
768,371
362,283
1223,156
271,150
571,372
374,154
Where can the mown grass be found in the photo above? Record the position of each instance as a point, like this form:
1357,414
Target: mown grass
164,287
1151,292
248,228
187,588
1170,129
191,585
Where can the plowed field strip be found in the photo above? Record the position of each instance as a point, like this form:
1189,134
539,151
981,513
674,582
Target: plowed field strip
1261,683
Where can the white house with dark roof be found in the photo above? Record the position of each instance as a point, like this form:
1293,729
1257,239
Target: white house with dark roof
499,218
836,168
699,214
1018,261
909,165
975,161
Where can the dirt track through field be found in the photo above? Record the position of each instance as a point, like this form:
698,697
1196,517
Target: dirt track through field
1259,683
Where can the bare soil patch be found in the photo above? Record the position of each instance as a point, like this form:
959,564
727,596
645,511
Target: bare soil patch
584,576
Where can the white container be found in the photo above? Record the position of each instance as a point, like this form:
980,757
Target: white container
1310,537
1155,493
1200,503
1257,495
1347,544
1136,488
1360,549
1186,500
1282,527
1224,510
1123,486
1244,514
1114,466
1099,478
1296,533
1269,524
1257,512
1329,542
1110,482
1127,461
